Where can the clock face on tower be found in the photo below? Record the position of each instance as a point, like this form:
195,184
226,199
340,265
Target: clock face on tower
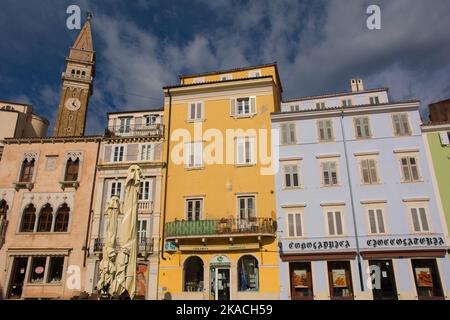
73,104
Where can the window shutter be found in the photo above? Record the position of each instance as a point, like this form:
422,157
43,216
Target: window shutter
365,171
137,123
405,123
423,219
298,224
253,105
233,107
380,221
397,127
292,133
132,151
199,114
291,225
321,131
198,153
330,223
157,151
373,227
444,138
339,229
415,219
329,127
191,115
107,157
373,171
283,128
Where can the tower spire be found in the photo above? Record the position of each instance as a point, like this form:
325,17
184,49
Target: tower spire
84,39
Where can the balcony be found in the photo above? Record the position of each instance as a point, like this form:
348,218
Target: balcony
145,246
141,130
221,228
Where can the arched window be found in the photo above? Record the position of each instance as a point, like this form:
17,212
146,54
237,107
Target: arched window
193,274
45,219
248,274
62,219
28,219
83,74
26,174
72,168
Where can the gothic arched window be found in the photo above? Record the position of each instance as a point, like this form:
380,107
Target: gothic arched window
45,219
26,174
62,219
72,169
28,219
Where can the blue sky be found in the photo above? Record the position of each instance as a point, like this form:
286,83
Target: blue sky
143,45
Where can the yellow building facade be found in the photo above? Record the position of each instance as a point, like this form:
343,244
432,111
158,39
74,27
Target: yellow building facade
219,223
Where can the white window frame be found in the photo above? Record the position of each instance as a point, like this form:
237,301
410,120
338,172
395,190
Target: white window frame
141,231
402,126
193,152
326,137
146,152
145,196
248,145
255,73
291,163
417,206
251,101
444,137
125,124
246,207
113,153
225,77
376,167
322,176
320,105
296,213
363,128
375,210
347,102
287,129
334,210
408,156
194,201
150,119
198,116
374,100
116,183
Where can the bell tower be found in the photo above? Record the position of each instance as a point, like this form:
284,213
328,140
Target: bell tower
76,85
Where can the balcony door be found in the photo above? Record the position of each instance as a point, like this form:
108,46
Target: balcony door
125,125
247,213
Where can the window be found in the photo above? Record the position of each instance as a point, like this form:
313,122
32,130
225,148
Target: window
320,105
56,267
329,173
225,77
37,269
362,128
194,208
254,73
125,126
401,124
245,150
241,107
325,128
150,120
368,171
347,102
419,220
295,108
45,219
146,152
193,274
291,175
195,111
334,219
116,188
142,230
340,280
72,168
62,219
288,133
427,279
246,207
194,154
248,274
301,281
144,191
374,100
198,80
27,171
118,153
410,169
376,221
28,219
294,225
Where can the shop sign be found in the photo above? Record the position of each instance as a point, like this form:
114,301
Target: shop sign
318,245
405,242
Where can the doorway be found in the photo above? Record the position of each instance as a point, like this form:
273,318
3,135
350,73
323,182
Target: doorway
386,289
220,283
17,277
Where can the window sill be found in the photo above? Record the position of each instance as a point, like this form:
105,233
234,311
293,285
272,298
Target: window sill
331,186
370,184
243,116
326,141
23,233
412,182
244,165
195,120
292,188
40,284
23,185
69,184
194,168
290,144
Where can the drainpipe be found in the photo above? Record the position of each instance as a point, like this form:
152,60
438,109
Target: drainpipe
85,248
167,176
352,200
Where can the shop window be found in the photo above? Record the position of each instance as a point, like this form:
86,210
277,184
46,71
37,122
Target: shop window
45,219
37,269
301,281
56,266
340,280
62,219
426,276
26,174
28,219
248,274
72,168
193,275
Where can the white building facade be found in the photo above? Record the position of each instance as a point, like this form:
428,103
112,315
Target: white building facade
132,138
356,208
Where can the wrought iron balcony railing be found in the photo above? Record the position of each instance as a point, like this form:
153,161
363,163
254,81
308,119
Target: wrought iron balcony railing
145,245
256,226
138,130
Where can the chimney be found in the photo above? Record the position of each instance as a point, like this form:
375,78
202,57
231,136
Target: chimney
353,85
360,84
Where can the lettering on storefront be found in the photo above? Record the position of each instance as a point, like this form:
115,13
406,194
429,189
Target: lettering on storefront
319,245
406,242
